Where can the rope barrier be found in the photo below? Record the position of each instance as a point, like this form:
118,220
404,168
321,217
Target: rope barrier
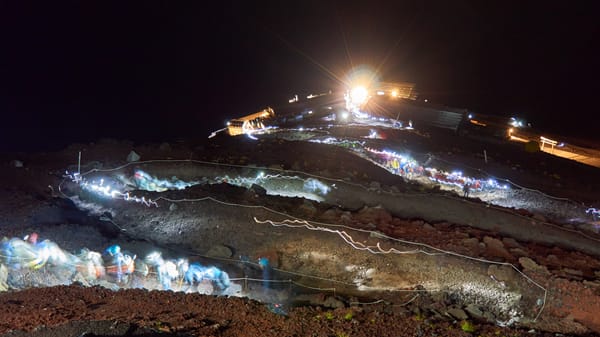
372,250
376,249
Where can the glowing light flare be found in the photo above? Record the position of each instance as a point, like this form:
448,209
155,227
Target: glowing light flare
106,190
148,182
361,75
359,95
517,123
310,185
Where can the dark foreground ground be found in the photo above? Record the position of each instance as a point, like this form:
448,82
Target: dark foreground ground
79,311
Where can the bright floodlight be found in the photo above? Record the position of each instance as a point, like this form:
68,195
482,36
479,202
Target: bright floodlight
394,93
359,95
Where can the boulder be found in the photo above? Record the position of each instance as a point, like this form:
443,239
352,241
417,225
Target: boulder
496,248
374,185
474,311
511,243
518,252
502,273
457,313
375,215
258,190
346,218
219,251
540,217
307,208
164,147
133,156
471,243
529,264
333,302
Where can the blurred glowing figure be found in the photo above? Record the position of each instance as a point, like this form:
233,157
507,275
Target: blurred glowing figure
594,212
314,185
17,253
29,253
218,277
121,264
196,273
90,265
166,270
49,252
263,263
146,182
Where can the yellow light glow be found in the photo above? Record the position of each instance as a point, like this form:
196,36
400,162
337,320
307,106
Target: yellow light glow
359,95
394,93
363,76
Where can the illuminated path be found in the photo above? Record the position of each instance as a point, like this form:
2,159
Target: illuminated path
588,160
431,207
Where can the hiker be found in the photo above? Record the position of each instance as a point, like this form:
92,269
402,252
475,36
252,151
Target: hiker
466,190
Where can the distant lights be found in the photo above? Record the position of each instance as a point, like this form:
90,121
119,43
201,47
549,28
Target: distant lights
517,123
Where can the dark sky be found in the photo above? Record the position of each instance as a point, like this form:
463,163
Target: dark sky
75,71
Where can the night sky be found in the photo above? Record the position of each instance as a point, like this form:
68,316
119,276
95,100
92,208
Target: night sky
77,71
